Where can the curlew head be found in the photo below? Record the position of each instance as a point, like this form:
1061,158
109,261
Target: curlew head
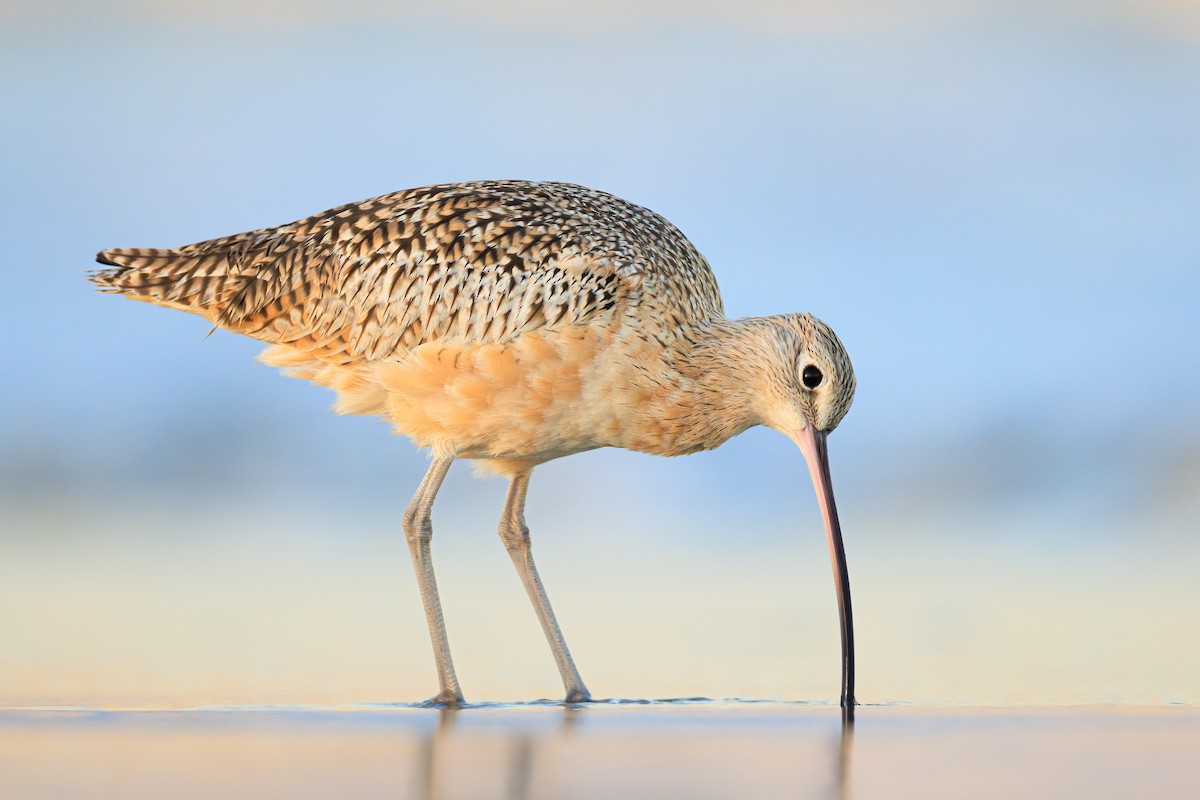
807,381
790,373
805,400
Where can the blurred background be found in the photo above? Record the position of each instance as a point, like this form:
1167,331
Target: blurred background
993,203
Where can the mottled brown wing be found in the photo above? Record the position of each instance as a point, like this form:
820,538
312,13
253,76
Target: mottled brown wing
477,262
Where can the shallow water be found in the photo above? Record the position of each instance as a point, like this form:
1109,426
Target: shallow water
692,748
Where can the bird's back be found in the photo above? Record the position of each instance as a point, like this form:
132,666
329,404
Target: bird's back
479,262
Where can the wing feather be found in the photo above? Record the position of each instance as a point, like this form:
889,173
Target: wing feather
476,262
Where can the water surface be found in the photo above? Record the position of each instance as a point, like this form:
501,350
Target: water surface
691,748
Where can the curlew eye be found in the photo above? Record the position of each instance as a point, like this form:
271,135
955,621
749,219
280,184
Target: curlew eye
811,377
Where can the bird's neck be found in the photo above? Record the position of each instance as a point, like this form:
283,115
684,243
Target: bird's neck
720,374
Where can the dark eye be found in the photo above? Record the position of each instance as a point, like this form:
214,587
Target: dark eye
811,377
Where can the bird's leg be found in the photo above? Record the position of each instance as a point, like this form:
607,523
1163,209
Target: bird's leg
418,528
515,535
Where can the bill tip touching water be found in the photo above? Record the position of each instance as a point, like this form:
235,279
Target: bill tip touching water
514,322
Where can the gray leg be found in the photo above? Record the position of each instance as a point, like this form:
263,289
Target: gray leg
515,536
418,528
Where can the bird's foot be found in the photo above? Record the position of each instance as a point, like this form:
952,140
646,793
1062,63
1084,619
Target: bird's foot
443,699
578,694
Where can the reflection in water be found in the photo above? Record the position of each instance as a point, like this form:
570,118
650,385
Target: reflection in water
842,761
433,754
530,751
518,787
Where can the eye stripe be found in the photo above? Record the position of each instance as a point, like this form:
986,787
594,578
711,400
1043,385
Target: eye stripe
811,377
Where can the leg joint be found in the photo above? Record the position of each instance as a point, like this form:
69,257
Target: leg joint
418,525
514,534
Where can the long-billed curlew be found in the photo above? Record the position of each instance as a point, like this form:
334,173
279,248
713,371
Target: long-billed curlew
513,322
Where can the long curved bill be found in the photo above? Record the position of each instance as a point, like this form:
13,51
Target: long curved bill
813,444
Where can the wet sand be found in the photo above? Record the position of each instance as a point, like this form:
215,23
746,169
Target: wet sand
698,749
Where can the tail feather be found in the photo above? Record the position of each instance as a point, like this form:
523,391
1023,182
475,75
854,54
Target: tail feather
231,288
134,257
199,283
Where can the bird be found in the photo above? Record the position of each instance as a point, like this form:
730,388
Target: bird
513,322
